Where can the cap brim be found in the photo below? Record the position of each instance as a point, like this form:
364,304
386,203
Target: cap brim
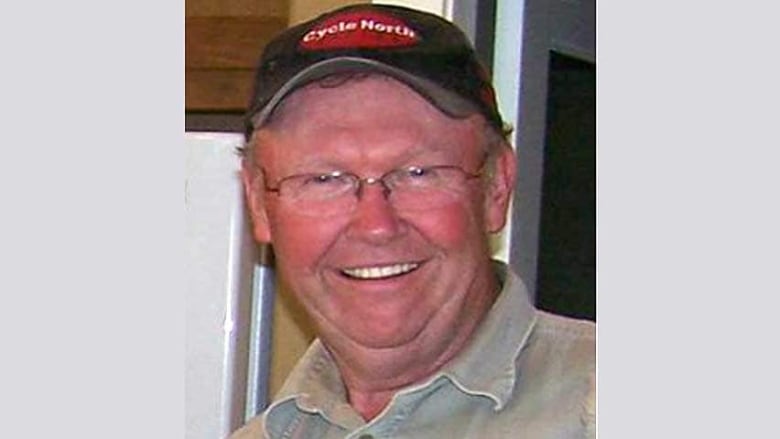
446,101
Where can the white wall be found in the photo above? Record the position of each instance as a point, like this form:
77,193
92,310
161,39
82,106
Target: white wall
219,263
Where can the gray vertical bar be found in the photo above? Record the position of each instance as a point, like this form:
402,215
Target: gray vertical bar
529,142
263,292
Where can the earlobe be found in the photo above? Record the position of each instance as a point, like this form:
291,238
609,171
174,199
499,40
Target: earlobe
256,207
499,190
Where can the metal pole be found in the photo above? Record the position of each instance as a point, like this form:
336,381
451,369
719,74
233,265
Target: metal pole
263,292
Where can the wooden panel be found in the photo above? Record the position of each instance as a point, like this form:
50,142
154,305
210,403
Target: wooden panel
292,333
220,57
210,8
196,8
302,10
217,90
227,42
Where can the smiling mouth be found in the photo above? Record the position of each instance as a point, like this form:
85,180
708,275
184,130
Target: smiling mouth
380,272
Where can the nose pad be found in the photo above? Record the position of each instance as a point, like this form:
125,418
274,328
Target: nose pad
371,181
374,218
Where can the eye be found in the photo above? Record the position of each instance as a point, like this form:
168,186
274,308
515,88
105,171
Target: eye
416,172
427,174
415,177
316,187
332,178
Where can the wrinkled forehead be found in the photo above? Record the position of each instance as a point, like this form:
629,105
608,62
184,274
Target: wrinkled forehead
369,112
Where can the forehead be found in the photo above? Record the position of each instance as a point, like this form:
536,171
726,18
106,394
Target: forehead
366,115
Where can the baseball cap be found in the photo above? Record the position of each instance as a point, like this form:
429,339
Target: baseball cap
422,50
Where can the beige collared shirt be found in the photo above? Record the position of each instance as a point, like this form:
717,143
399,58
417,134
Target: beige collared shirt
526,374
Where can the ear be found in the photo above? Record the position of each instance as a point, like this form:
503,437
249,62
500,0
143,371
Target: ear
255,202
499,190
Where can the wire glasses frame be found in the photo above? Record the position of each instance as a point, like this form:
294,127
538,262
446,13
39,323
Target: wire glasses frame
411,188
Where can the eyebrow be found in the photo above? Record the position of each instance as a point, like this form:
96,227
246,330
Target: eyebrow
415,155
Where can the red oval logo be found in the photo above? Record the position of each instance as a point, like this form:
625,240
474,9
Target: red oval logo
364,29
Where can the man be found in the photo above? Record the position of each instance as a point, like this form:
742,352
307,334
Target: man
377,167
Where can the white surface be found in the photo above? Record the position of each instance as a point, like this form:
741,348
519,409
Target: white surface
218,286
438,7
506,59
508,47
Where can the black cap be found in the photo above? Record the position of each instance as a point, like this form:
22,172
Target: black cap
425,51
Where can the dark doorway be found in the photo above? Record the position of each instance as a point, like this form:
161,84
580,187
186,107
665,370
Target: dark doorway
566,278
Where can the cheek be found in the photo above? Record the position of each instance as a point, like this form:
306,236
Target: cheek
300,242
454,226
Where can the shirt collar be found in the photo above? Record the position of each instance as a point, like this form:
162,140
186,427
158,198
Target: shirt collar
485,367
315,386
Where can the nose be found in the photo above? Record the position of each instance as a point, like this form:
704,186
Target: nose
374,218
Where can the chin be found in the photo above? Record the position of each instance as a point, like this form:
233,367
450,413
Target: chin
378,336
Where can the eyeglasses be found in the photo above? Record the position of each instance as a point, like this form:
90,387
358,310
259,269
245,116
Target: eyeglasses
413,188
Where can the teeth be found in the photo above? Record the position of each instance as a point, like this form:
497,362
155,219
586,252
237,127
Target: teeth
380,272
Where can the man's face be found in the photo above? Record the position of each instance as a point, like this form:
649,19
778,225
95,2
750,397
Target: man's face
343,267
